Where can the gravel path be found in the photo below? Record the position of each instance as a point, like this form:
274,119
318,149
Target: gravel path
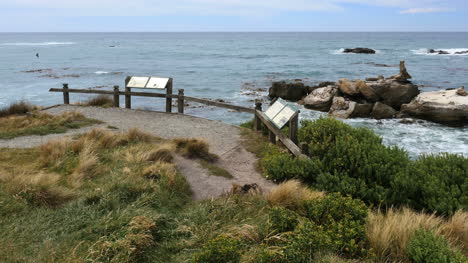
224,140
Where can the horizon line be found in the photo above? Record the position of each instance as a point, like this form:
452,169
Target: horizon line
40,32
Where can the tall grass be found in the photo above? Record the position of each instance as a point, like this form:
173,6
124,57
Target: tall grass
100,101
17,108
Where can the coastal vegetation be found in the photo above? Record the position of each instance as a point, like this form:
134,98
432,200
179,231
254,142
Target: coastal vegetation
106,196
21,119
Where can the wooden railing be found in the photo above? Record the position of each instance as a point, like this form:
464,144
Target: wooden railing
290,142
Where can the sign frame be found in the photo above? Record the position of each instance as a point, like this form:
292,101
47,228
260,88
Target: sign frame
158,83
281,113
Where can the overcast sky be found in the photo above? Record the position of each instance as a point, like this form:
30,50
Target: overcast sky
232,15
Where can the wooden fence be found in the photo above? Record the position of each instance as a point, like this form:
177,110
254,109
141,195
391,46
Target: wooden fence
290,142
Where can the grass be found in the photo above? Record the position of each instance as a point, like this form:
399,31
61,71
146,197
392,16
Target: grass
194,149
99,101
215,170
17,108
39,123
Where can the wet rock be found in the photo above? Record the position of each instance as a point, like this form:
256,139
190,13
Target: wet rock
440,52
367,90
348,87
362,110
359,50
395,93
461,91
52,76
372,79
403,76
320,99
45,70
71,76
288,91
461,52
382,111
445,106
407,121
342,108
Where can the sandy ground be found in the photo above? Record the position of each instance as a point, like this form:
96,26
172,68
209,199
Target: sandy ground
224,140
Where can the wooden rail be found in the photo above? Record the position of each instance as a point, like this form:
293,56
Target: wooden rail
260,117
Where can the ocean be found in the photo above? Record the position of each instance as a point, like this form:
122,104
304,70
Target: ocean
237,68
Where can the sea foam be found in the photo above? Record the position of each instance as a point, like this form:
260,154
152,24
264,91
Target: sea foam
451,51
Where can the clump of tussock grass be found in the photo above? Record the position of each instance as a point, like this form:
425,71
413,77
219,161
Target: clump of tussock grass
40,123
161,170
291,194
138,237
88,165
216,170
17,108
194,149
52,153
390,232
100,101
41,189
147,153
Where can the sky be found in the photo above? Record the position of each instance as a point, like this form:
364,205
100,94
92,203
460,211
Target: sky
233,15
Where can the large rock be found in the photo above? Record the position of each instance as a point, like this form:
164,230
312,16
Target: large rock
359,50
445,106
342,108
320,99
394,93
348,87
368,91
382,111
289,91
403,76
362,110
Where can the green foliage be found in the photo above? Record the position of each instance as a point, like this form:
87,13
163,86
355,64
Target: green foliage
282,166
425,247
221,249
282,220
435,183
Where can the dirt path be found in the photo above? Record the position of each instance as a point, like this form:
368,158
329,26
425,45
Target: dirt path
224,140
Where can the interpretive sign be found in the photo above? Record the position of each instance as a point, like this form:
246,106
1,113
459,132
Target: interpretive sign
148,82
281,113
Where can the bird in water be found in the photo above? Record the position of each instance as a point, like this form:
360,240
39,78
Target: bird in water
37,55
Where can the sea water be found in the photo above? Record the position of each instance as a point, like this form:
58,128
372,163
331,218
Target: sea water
237,68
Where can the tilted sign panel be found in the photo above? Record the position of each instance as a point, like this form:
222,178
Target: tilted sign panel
138,82
157,83
283,117
276,108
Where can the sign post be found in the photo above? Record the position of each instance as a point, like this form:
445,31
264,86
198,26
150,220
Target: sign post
158,83
282,113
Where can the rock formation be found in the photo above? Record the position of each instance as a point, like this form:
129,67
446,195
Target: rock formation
289,91
359,50
320,99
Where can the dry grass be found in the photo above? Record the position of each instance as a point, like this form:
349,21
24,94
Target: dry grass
37,189
291,194
390,232
88,164
162,170
194,149
100,101
16,108
52,152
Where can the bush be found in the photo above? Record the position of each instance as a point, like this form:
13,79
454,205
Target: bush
351,160
425,247
343,220
435,183
21,107
221,249
279,167
282,219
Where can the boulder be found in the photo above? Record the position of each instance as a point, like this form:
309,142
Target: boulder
320,99
367,90
461,91
382,111
445,106
403,76
394,93
359,50
362,110
288,91
342,108
440,52
348,87
461,52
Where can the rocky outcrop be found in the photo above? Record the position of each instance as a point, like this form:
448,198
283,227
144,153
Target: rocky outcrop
395,94
403,76
362,110
342,108
289,91
320,99
461,91
382,111
446,107
368,90
359,50
440,52
348,88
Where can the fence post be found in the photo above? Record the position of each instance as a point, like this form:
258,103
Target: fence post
66,94
293,127
272,137
128,98
169,96
180,101
257,121
116,97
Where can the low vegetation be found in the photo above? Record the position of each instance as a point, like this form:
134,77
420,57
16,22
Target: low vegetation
21,119
99,101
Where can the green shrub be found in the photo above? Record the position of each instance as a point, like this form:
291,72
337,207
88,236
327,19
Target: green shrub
269,255
351,160
343,220
221,249
279,167
425,247
282,220
435,183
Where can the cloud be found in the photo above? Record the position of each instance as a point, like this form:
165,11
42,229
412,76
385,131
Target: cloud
423,10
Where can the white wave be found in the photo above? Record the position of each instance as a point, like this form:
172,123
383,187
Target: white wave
101,72
37,43
451,51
